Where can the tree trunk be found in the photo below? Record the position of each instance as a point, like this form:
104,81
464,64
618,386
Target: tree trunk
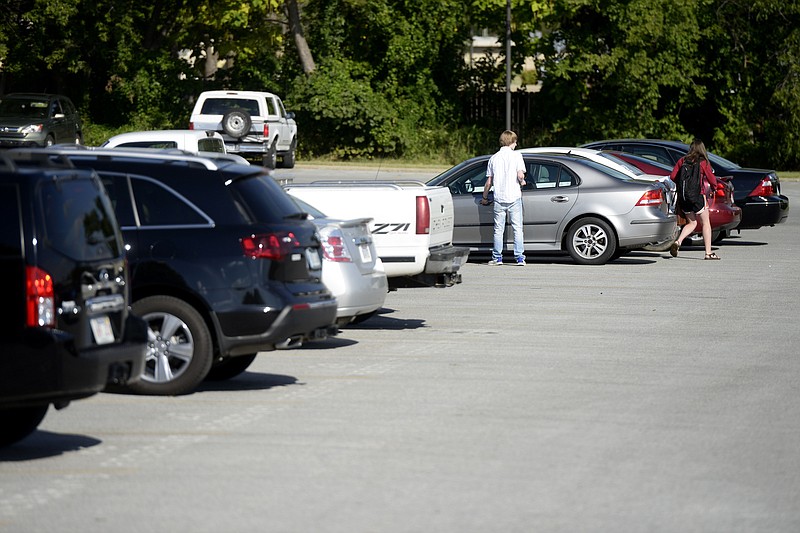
296,29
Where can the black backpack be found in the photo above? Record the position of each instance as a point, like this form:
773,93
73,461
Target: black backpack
688,180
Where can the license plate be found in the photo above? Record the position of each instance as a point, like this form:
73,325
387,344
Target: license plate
312,257
101,328
366,255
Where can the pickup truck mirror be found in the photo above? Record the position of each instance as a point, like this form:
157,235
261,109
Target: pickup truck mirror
289,115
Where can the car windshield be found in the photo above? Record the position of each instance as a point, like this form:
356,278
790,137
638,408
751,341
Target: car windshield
23,107
308,208
264,198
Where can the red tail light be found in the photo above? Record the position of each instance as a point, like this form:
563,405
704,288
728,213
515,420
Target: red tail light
276,246
191,125
423,215
652,197
266,130
333,246
40,298
765,188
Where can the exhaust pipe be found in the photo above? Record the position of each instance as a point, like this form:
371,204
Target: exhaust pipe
291,342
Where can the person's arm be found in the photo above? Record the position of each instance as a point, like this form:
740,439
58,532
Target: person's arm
521,177
676,169
486,187
708,173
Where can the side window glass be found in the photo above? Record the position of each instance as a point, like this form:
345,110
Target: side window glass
652,152
10,227
566,178
118,189
470,182
541,176
158,206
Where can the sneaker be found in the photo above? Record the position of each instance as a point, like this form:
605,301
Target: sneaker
496,262
521,262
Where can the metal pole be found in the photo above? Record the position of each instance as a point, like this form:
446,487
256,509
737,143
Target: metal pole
508,64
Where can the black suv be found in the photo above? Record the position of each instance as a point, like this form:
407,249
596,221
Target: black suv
66,331
29,119
223,263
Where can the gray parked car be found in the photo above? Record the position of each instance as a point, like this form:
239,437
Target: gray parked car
30,120
582,207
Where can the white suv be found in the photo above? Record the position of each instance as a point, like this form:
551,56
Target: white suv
254,124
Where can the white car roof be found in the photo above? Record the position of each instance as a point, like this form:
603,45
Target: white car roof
243,94
158,135
593,155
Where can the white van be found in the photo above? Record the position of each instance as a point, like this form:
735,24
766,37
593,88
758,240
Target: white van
194,141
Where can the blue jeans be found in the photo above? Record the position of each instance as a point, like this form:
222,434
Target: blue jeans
514,212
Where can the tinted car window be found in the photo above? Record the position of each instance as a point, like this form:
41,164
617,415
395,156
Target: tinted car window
79,221
158,206
10,228
220,106
263,200
23,107
149,144
211,145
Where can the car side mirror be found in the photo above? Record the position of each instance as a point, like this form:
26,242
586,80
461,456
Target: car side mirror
289,115
59,115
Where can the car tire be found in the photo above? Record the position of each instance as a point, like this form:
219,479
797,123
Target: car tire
20,422
270,159
236,123
718,236
591,241
179,347
289,157
229,367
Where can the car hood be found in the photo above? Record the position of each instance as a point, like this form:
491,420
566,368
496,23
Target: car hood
16,122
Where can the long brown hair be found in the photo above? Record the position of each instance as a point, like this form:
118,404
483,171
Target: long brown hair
697,151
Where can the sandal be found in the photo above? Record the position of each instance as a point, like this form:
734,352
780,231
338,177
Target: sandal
673,250
712,256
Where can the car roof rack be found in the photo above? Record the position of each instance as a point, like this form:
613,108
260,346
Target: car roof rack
148,154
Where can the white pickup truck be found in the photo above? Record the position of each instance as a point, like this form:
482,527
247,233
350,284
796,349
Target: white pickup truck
254,125
412,225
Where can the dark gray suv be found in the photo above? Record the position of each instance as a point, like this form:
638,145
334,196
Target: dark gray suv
29,120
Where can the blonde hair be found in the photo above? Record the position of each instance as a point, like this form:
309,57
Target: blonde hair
507,138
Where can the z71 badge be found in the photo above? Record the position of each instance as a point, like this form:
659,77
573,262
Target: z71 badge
385,229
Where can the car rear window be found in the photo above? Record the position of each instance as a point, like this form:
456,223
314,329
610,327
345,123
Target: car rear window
220,106
263,199
211,144
78,219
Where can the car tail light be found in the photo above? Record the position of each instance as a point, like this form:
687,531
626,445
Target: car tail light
266,130
651,197
423,215
191,125
40,298
333,246
765,188
276,246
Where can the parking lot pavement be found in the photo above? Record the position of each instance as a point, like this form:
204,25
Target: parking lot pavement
649,394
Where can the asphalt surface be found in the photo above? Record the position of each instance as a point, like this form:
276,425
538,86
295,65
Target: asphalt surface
650,394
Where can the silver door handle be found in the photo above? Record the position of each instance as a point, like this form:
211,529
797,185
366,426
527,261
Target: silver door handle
560,199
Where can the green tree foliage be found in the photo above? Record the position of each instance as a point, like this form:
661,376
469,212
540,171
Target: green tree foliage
391,80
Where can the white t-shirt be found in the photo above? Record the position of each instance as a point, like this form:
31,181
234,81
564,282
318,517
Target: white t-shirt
503,167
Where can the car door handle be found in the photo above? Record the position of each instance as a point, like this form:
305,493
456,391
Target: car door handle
559,199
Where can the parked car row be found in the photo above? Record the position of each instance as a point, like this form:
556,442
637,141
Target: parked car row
604,199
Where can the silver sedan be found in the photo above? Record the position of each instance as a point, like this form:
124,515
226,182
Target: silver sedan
584,208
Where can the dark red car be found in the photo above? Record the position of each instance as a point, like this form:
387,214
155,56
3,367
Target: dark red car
723,213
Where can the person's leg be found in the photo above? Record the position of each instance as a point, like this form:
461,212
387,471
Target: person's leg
499,228
688,228
515,214
705,217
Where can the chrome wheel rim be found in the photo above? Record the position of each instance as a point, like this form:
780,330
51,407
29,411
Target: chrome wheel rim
170,347
590,241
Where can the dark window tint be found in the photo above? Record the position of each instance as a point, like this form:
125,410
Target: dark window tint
541,176
158,206
10,228
211,144
149,144
79,221
118,190
220,106
262,199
